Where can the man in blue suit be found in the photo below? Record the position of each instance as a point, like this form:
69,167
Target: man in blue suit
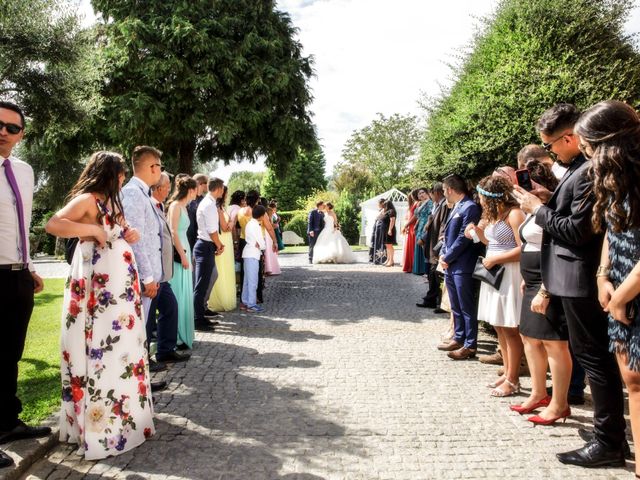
315,224
458,258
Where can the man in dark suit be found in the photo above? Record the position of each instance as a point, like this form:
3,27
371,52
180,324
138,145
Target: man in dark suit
315,224
570,257
429,240
458,258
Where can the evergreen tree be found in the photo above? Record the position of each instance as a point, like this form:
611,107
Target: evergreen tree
530,55
303,176
218,79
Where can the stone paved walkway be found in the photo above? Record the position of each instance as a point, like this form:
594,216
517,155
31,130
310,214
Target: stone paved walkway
338,379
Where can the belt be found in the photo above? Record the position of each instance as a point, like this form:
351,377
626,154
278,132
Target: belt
14,266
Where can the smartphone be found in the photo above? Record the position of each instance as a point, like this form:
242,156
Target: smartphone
524,179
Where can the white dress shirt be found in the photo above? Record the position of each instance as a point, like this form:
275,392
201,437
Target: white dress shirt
10,242
207,218
254,236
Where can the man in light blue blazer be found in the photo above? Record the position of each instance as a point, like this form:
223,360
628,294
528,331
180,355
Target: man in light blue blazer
141,213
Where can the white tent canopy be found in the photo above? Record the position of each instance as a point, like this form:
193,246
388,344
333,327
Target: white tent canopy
369,211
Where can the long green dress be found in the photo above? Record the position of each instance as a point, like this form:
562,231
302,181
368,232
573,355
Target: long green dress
182,286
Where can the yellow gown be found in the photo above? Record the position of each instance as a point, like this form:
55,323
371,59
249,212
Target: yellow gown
223,296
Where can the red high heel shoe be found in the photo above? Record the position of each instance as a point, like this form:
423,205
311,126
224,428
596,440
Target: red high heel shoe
538,420
522,410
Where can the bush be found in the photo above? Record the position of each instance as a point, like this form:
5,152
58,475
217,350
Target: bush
285,217
348,212
298,224
527,57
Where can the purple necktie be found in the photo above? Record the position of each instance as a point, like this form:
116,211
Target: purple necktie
8,171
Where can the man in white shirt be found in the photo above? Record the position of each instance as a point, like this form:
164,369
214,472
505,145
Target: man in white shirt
18,279
207,246
251,259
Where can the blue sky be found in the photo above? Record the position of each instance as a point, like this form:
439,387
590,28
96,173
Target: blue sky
375,56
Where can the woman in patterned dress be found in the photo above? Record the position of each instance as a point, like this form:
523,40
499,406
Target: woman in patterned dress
422,212
106,395
609,135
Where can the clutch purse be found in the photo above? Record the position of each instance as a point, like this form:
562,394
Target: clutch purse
176,255
491,277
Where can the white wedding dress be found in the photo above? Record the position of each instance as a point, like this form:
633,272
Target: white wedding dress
331,246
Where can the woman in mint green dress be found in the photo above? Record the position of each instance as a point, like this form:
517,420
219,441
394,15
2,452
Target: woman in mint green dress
182,281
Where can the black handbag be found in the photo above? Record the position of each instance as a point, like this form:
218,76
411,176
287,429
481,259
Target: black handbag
176,255
491,277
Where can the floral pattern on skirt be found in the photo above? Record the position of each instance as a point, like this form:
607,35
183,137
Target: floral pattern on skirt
106,394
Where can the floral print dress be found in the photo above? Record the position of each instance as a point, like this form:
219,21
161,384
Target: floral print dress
106,394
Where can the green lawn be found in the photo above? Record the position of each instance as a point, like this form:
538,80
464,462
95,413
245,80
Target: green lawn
305,249
39,377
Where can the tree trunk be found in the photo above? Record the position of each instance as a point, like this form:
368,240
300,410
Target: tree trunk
186,152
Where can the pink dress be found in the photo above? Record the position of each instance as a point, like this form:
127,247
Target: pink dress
271,264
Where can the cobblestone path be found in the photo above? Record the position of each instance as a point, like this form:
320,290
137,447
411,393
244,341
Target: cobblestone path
338,379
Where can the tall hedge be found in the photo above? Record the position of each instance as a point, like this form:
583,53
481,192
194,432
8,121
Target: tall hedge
530,55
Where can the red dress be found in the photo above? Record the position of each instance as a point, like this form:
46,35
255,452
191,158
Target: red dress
409,243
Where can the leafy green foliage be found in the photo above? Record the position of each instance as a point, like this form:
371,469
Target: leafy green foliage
379,156
48,65
245,181
218,79
304,175
298,224
348,212
529,56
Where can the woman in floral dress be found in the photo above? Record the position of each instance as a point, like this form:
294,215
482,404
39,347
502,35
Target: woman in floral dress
106,395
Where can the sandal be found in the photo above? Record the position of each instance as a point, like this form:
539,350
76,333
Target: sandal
515,388
501,379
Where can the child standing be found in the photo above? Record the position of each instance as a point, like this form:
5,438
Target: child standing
251,258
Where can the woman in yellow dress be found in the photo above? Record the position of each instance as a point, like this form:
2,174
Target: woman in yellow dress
223,295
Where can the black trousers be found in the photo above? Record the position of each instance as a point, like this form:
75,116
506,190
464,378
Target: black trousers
312,243
587,324
16,298
434,293
260,289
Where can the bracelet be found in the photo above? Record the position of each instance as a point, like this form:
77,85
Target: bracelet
603,271
544,293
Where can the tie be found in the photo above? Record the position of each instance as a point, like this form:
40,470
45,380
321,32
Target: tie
8,171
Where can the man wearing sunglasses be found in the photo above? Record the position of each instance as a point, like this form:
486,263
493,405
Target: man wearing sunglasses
18,280
569,261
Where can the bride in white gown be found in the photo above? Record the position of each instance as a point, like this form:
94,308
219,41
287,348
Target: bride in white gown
331,246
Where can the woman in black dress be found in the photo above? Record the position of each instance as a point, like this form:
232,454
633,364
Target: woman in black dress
545,336
377,251
609,134
389,222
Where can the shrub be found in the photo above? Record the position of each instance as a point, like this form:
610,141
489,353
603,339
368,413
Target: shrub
298,224
348,212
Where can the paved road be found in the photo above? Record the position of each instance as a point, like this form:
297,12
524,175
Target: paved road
338,379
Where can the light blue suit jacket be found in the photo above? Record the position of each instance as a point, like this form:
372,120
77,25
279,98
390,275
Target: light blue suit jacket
141,214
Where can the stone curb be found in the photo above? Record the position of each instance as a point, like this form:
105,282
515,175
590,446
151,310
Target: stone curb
27,452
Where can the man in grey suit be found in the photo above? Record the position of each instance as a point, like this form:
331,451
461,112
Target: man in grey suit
165,301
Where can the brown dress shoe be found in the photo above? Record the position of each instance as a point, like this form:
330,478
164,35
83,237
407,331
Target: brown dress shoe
449,346
462,353
493,359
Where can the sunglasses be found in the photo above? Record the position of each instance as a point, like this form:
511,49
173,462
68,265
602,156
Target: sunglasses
158,165
547,146
12,128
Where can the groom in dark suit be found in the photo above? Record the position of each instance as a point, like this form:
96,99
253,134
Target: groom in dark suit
315,224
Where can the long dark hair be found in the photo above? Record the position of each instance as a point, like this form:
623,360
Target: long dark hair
542,174
223,199
184,183
237,197
101,175
612,130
